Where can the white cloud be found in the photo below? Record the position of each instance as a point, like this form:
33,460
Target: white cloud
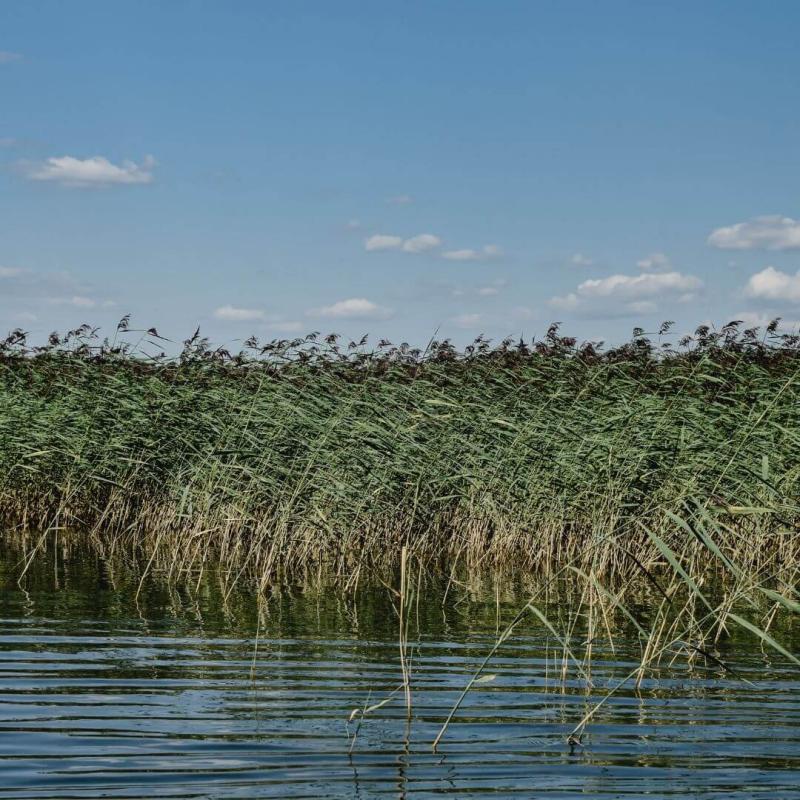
468,254
231,313
91,172
416,244
567,302
467,320
400,200
772,284
77,300
628,293
580,260
352,308
421,243
760,233
636,286
10,272
655,262
461,255
424,242
7,57
489,290
353,224
24,316
382,241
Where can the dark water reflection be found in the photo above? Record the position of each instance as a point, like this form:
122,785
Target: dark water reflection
105,696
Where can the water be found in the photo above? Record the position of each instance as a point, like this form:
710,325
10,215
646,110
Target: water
104,695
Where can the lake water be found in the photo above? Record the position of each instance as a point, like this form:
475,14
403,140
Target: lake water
168,695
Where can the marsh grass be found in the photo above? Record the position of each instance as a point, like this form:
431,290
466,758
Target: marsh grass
682,617
295,457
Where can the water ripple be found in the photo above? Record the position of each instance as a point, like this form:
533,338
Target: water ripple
113,706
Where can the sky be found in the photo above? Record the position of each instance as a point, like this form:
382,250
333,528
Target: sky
406,170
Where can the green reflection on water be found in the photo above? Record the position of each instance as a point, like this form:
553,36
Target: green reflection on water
191,691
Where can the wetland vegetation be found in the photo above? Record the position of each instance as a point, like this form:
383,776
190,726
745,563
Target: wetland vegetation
292,455
641,500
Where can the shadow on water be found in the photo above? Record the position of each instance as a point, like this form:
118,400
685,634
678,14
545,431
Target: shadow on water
182,693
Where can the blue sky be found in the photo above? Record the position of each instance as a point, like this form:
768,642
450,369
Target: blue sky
398,168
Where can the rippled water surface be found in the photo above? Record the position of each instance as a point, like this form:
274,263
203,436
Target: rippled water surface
190,694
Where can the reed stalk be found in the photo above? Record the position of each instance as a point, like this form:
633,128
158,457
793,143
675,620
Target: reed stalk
297,456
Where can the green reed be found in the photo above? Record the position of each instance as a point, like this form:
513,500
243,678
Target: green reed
305,454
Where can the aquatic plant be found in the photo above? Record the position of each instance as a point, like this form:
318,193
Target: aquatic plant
304,454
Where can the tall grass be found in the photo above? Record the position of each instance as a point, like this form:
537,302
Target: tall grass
311,454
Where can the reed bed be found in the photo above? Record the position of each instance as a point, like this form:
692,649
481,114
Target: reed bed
313,454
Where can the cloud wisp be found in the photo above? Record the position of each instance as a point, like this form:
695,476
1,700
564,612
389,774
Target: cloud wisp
229,313
58,287
628,294
352,308
94,172
80,301
485,253
773,232
655,262
467,321
44,291
7,57
383,241
427,242
273,322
